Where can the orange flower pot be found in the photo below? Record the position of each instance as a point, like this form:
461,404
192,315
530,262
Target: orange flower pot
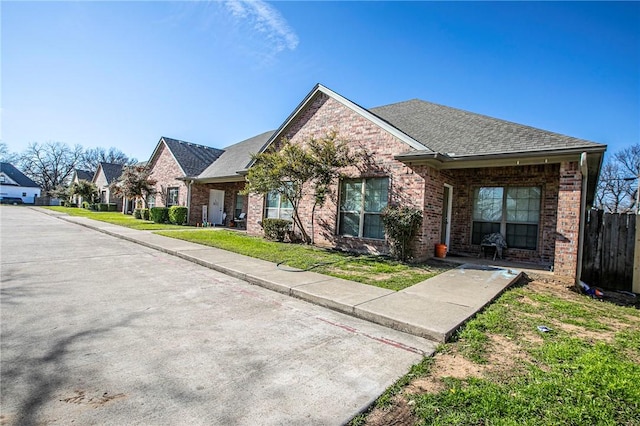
441,250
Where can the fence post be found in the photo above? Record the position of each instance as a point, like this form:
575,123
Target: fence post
636,258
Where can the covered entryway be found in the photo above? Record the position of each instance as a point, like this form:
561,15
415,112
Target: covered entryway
216,206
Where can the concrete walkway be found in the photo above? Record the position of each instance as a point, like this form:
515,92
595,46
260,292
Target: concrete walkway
433,309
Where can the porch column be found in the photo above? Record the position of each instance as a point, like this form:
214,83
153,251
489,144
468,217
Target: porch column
568,220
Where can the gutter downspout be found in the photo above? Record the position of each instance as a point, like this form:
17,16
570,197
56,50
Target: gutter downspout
189,200
584,169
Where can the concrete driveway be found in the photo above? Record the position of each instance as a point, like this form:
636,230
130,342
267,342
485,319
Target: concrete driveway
97,330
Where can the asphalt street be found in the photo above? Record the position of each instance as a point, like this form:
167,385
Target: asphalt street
98,330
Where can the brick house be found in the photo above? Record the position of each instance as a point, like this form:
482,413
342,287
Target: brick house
215,193
171,162
470,175
105,175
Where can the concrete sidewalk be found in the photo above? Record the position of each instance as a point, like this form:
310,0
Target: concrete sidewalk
433,309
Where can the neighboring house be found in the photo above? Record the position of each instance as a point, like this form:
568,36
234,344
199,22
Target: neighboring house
14,184
79,175
171,163
215,193
106,174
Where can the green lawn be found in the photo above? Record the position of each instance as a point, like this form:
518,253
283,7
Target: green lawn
115,218
374,270
502,371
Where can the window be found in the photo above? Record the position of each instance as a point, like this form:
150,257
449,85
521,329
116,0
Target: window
172,197
24,194
151,201
361,202
239,205
512,211
278,207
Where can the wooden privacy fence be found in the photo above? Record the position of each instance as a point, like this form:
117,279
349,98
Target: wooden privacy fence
609,244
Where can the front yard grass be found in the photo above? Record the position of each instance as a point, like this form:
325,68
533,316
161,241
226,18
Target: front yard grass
374,270
115,218
501,370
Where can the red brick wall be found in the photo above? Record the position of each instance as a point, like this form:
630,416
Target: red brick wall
407,185
568,224
200,197
466,180
165,170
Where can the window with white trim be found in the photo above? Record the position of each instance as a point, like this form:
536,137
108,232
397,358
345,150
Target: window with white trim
172,196
512,211
361,204
151,201
277,207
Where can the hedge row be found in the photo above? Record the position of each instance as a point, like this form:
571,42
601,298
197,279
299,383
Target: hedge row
174,214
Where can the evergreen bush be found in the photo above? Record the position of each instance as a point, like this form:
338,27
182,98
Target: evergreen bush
159,214
178,215
276,229
401,225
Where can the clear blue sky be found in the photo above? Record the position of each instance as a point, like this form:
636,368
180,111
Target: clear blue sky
125,73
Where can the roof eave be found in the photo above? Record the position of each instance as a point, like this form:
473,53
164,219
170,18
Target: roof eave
442,161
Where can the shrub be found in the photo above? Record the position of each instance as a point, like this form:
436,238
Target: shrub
178,215
137,214
159,214
401,225
85,205
68,204
103,207
144,213
112,207
276,229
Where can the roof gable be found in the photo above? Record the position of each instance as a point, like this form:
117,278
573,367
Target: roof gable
351,105
190,157
16,176
82,175
110,171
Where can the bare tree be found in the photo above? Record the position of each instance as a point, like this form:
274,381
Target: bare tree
92,157
50,164
6,156
618,185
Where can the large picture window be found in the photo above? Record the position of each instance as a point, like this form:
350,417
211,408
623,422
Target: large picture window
512,211
278,207
361,203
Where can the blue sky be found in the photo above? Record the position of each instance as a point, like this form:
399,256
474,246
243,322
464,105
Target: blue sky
125,73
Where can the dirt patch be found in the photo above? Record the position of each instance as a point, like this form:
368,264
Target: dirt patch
400,413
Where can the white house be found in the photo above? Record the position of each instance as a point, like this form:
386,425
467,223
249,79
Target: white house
14,184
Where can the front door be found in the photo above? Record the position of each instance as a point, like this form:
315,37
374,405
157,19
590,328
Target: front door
216,206
445,231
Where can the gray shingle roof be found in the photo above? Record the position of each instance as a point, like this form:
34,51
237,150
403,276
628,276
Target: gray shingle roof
111,171
235,157
193,158
17,176
450,131
84,174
